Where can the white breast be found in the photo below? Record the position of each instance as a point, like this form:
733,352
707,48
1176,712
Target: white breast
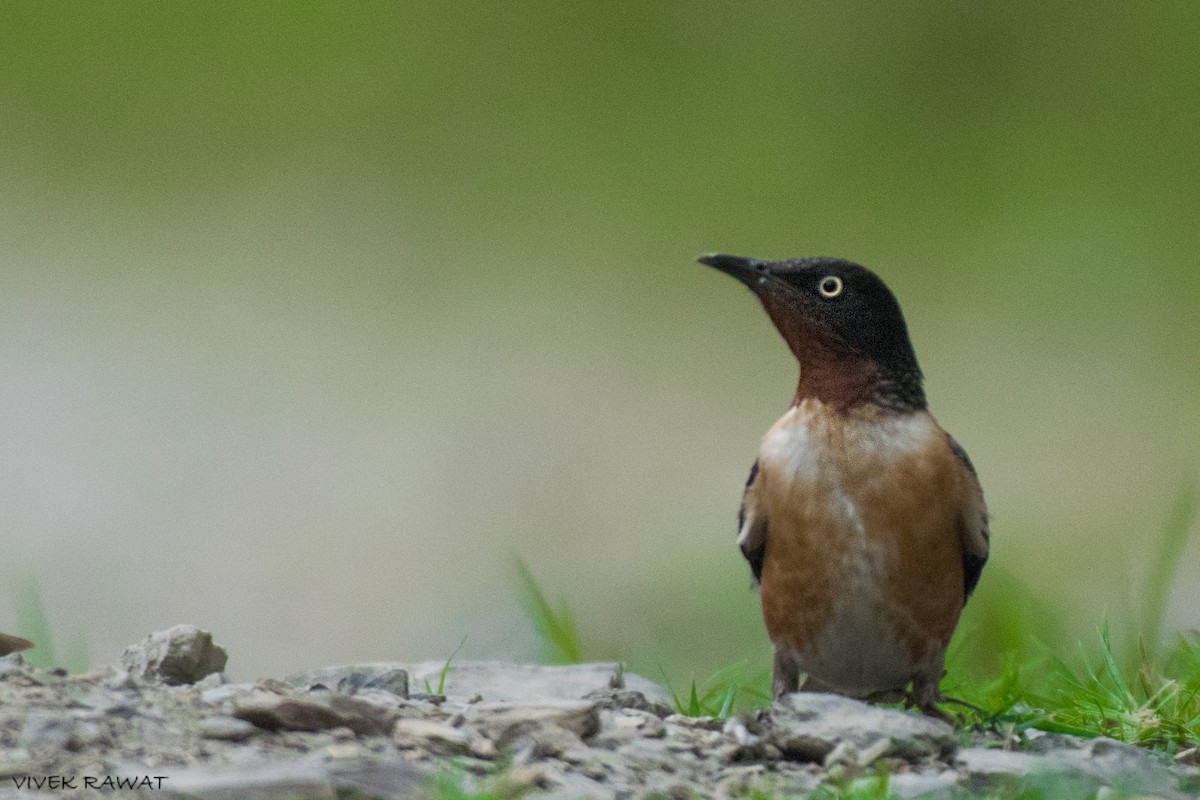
809,442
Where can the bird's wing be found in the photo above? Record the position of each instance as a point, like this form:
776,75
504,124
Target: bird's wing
973,525
752,526
13,644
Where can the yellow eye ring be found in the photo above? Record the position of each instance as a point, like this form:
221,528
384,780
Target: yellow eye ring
830,286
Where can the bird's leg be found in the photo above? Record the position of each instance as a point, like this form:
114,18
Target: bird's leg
785,674
925,696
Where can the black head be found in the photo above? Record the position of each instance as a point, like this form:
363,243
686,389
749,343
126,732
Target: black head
839,319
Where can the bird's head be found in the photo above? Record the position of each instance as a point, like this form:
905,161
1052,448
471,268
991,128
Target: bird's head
842,323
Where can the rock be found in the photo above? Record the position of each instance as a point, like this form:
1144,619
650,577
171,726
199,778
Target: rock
210,681
986,763
547,741
626,725
313,713
438,738
181,655
807,726
10,664
698,723
502,722
497,681
317,776
1123,767
1098,762
229,729
627,698
394,681
928,785
382,698
225,692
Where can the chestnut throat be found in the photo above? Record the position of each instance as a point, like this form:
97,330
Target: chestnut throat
845,380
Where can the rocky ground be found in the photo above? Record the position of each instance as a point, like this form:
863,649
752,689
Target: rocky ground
164,723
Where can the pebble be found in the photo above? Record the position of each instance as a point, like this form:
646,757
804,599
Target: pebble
228,729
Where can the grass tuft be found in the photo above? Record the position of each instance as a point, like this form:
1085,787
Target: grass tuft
445,670
555,627
452,783
1156,705
1151,698
875,787
729,689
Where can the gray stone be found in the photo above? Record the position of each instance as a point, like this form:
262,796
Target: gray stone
497,681
438,738
1098,762
527,745
210,681
380,698
980,762
700,723
628,698
314,713
229,729
181,655
394,681
10,664
104,702
1123,767
807,726
627,724
502,722
225,692
314,777
928,785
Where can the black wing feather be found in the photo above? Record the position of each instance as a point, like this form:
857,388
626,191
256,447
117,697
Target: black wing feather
972,563
752,554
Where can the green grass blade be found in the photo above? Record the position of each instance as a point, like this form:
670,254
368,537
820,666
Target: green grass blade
676,703
556,629
727,703
441,689
1111,668
694,708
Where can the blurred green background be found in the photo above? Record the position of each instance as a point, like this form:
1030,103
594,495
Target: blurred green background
313,314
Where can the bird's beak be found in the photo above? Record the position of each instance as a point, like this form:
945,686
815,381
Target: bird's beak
750,271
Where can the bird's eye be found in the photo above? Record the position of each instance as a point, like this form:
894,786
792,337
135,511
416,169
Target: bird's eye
830,286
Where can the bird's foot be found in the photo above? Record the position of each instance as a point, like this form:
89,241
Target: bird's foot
925,698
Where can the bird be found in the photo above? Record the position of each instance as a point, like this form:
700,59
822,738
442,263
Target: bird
13,644
863,521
